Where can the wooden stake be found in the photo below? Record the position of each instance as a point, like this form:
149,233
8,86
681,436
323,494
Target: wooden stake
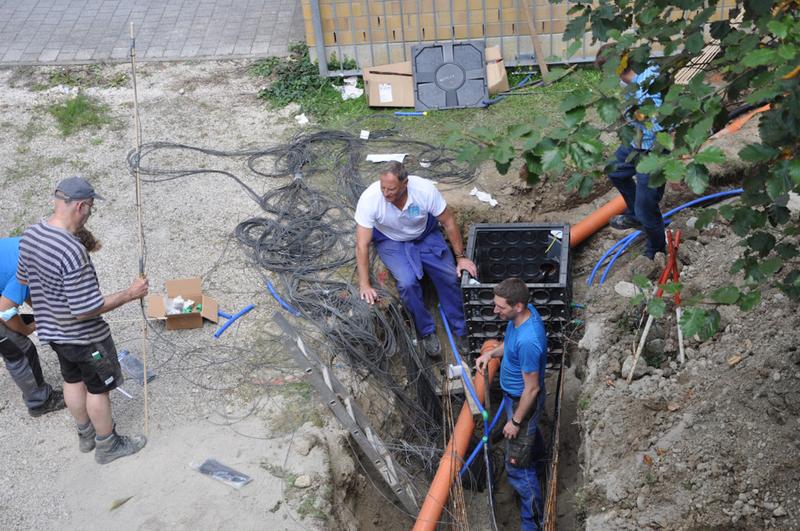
537,45
137,125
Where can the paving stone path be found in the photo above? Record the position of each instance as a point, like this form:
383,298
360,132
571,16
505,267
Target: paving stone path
87,31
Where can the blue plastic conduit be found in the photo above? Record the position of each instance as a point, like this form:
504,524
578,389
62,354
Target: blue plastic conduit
231,319
286,306
484,439
622,245
501,97
464,377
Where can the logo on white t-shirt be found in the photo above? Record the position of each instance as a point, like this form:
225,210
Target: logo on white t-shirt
413,211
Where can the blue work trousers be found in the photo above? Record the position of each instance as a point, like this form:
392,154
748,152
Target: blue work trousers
642,200
407,261
524,479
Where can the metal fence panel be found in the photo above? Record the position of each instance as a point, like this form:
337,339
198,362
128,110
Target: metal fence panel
376,32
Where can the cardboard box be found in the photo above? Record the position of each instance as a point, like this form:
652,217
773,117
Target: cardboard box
188,288
389,85
496,76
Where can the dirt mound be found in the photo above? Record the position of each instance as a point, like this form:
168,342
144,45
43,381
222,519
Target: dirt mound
711,443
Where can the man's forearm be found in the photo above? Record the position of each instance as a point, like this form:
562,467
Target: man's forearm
526,401
110,302
362,263
454,235
17,325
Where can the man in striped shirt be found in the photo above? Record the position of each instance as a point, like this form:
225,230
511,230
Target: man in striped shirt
67,305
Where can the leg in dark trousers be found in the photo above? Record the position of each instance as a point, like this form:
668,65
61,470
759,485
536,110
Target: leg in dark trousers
642,200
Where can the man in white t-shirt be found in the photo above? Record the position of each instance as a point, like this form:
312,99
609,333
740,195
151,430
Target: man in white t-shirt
400,214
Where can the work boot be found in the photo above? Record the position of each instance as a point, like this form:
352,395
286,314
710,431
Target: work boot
115,446
86,439
431,345
54,402
625,222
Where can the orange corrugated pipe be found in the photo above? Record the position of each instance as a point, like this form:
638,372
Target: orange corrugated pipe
596,221
453,457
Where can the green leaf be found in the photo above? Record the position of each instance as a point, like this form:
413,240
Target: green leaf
641,282
575,99
749,300
787,51
519,130
552,160
761,242
794,171
503,152
726,295
776,185
786,251
574,116
699,322
595,147
744,219
695,42
666,140
758,57
656,307
468,152
581,183
483,133
580,158
757,153
770,266
608,109
727,212
696,178
712,155
705,217
502,167
671,288
674,170
778,27
651,163
698,133
573,48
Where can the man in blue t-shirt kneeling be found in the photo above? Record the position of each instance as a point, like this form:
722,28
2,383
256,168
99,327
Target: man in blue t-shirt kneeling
524,356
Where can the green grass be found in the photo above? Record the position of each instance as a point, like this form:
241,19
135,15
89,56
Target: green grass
97,75
79,112
296,80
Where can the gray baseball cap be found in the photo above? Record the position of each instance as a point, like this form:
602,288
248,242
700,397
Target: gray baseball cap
77,188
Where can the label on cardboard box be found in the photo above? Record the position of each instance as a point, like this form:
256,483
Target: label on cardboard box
385,93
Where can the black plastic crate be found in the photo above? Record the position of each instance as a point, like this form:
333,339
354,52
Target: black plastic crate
539,254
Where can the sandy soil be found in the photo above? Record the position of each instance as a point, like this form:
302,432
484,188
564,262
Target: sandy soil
212,398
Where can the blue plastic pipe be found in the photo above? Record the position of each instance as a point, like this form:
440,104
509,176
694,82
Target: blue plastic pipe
599,263
410,113
622,245
286,306
485,439
231,320
464,377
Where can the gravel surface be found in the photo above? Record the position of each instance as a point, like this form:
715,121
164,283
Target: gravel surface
211,398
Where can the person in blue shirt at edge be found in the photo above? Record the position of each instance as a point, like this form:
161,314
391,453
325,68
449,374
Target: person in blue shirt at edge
17,350
522,371
642,200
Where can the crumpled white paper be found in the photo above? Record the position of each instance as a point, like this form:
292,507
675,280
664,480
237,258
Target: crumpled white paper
484,197
388,157
301,119
349,90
